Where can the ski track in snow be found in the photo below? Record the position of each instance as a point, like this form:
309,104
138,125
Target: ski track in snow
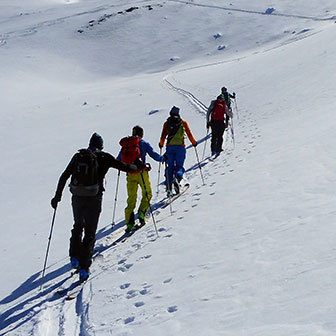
304,17
45,309
48,313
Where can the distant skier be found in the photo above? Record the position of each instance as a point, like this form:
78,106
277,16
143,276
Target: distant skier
227,97
87,169
217,118
175,129
135,149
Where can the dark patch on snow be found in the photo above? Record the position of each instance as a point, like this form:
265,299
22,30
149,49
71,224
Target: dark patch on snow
153,112
103,18
269,10
217,36
175,58
131,9
304,31
221,47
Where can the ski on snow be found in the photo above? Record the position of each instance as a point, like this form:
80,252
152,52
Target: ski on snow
168,200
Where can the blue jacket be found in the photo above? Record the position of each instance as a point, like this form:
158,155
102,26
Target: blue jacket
146,148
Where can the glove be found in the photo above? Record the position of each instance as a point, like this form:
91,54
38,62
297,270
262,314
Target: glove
234,95
160,146
208,124
54,202
195,144
148,167
165,156
139,163
132,167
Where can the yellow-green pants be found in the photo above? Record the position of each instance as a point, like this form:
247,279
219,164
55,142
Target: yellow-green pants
133,181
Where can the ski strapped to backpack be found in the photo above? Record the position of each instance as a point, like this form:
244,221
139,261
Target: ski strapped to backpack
84,178
130,149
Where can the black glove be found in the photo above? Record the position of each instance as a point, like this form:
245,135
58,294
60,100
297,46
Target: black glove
139,163
132,167
195,144
148,167
165,156
54,202
208,124
160,146
234,95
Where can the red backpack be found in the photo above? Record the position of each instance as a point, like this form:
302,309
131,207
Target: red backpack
218,110
130,149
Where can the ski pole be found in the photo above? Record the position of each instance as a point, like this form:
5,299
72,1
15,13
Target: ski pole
199,165
167,181
115,199
149,204
236,107
205,143
232,133
48,247
158,182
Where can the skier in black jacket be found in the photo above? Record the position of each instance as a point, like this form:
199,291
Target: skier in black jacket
87,207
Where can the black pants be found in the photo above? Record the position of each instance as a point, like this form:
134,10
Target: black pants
86,211
217,129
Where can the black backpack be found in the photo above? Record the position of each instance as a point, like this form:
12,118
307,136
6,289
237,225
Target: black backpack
173,125
84,178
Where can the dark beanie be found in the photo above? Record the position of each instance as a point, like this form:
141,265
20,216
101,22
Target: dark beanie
96,141
138,131
175,111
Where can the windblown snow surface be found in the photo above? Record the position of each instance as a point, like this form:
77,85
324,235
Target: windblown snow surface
251,250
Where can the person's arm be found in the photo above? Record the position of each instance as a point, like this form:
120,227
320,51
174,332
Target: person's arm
61,182
119,155
164,134
150,151
208,115
233,95
112,162
189,134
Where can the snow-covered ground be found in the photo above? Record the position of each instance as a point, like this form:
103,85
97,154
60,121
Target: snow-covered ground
249,252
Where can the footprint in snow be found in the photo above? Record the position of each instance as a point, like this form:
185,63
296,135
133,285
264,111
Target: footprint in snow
167,280
144,291
129,320
162,229
139,304
131,294
172,309
125,286
125,268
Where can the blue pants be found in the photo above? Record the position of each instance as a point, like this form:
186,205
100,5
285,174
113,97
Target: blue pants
176,157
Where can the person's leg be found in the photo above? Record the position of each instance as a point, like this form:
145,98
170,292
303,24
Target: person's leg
91,214
215,136
170,166
78,227
146,197
221,129
180,158
132,189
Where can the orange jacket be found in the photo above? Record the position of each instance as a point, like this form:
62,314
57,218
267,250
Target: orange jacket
178,139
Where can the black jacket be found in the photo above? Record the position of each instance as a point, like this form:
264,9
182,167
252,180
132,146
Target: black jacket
105,161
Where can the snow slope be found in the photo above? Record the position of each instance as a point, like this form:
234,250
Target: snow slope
250,252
